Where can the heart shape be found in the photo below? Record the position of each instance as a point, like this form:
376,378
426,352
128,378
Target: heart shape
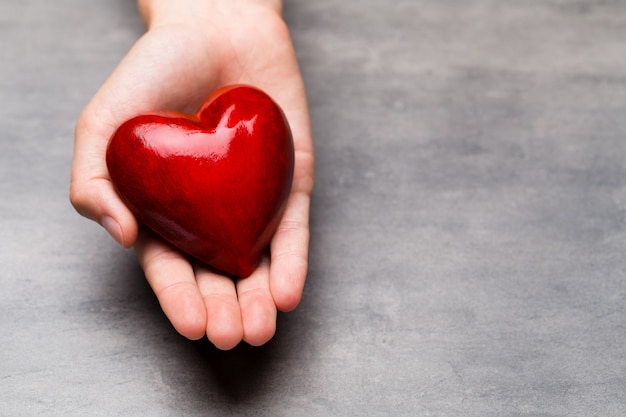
213,184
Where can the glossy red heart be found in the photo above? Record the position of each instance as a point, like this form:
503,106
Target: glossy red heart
213,184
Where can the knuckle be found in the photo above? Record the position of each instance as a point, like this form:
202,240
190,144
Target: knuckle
78,197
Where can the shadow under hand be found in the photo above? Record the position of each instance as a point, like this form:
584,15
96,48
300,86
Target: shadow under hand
197,374
192,376
240,373
204,376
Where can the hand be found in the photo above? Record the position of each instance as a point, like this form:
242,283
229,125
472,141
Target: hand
191,48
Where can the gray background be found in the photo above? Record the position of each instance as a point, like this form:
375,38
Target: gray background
468,222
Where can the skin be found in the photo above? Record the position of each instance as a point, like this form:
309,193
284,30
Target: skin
190,48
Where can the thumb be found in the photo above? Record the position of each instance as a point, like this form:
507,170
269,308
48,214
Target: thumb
145,80
91,192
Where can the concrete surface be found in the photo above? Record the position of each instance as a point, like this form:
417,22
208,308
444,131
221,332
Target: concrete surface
468,223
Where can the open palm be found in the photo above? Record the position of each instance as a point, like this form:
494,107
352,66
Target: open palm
185,54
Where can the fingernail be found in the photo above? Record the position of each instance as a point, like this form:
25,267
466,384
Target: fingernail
113,228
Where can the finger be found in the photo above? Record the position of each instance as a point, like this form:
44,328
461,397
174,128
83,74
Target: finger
258,311
172,279
289,246
289,253
224,327
97,200
91,191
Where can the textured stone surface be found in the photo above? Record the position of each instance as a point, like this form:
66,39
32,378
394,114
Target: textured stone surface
468,222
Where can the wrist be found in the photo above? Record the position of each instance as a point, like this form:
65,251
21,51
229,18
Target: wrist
181,11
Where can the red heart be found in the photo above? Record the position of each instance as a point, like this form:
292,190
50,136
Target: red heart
213,184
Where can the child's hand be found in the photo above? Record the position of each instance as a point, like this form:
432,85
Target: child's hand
191,48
